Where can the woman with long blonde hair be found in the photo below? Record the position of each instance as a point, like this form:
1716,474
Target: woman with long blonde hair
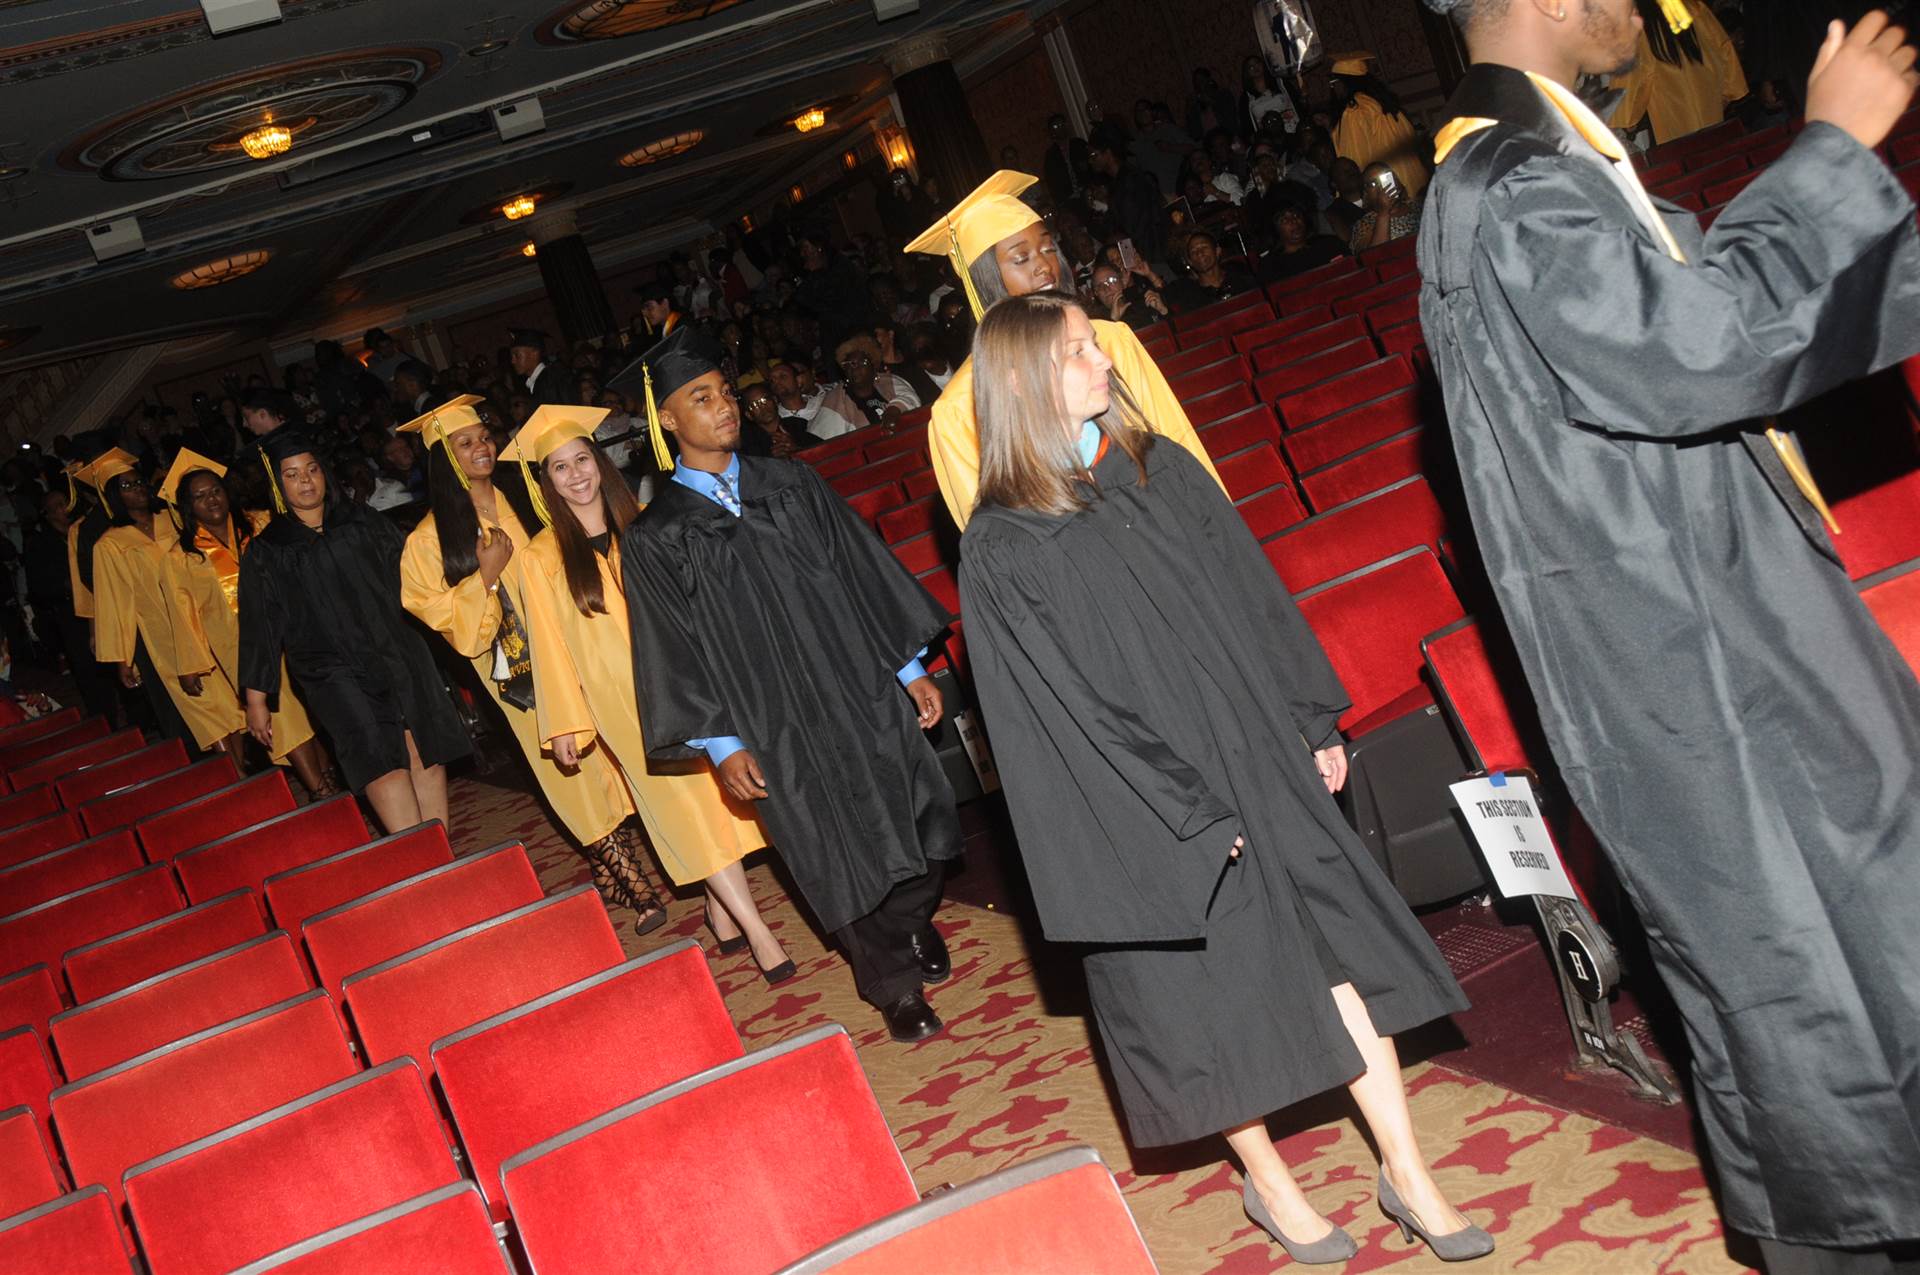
1166,726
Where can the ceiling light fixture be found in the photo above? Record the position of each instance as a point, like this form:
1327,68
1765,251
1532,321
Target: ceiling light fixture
517,207
796,194
528,249
223,270
663,148
899,150
849,161
810,119
268,140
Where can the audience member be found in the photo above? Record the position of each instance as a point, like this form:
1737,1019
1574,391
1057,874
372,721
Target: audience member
1209,106
1261,97
1137,200
542,381
1160,148
1137,307
1390,214
1208,278
1296,248
868,396
1372,128
1065,169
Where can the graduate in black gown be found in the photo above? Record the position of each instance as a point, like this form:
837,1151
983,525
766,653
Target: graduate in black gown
1165,724
776,636
320,584
1740,734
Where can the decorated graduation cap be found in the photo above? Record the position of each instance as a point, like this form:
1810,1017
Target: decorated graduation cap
438,424
108,466
681,356
550,426
187,462
989,213
277,447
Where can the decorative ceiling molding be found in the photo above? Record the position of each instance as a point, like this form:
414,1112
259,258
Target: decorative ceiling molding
588,20
89,50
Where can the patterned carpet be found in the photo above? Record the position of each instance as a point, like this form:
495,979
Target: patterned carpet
1016,1073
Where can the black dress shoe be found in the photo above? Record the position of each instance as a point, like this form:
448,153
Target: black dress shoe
910,1018
931,951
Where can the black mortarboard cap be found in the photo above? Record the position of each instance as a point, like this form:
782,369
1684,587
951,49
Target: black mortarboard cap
683,355
533,338
655,290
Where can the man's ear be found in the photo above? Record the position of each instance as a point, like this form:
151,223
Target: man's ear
1552,10
666,421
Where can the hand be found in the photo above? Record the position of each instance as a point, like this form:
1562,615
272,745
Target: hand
1118,309
926,698
1377,199
260,723
129,676
890,418
190,683
1331,762
566,752
1862,79
494,551
740,775
1239,844
1156,303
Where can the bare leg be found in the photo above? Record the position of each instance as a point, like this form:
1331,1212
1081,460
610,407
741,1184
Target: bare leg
1281,1194
235,746
728,890
393,801
429,786
1381,1095
309,765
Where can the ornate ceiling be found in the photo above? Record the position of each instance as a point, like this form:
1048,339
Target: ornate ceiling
657,118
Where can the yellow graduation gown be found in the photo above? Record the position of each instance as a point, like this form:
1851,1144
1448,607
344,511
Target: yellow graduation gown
206,594
82,595
954,434
592,801
133,596
1682,99
1368,135
695,827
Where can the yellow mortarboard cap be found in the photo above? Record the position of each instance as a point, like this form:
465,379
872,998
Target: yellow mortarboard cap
1679,18
549,426
988,214
185,463
110,466
438,424
1355,63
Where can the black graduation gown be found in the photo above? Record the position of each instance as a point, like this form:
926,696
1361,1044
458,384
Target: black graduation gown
331,603
1154,693
1740,734
786,627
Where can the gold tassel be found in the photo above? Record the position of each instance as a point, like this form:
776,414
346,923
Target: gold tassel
1679,18
447,447
1796,464
966,275
662,458
73,495
273,481
533,490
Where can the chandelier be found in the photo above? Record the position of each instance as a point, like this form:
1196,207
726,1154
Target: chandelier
662,148
517,207
226,269
809,120
268,140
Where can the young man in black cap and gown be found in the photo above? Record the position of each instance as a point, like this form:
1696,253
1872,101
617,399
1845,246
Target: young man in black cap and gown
547,384
657,311
776,636
1738,731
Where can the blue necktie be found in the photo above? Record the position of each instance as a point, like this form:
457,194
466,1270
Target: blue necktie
729,498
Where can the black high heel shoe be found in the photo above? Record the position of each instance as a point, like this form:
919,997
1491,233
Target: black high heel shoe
779,973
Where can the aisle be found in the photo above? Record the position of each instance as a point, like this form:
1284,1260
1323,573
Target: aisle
1014,1074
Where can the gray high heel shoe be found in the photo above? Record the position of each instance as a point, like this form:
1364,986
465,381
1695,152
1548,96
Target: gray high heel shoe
1335,1246
1455,1246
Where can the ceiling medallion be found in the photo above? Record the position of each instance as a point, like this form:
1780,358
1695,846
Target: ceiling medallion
611,19
268,140
662,148
211,274
810,119
519,206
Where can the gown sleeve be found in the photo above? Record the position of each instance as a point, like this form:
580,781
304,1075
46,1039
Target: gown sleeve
674,689
1149,385
115,628
899,616
954,444
1810,278
263,622
1636,91
559,702
82,595
192,652
466,614
1041,701
1721,55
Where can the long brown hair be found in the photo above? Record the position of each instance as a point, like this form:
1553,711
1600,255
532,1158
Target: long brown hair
576,555
1028,460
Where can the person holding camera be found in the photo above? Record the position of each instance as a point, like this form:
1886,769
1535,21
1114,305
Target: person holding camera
1389,213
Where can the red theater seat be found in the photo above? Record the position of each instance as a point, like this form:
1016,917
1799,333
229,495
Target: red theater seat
1894,599
400,1007
73,868
1305,341
914,518
135,804
1479,697
248,857
921,482
31,840
1723,192
58,765
28,998
38,727
940,582
1316,367
214,815
1247,473
334,1154
1176,365
1380,465
429,905
1700,143
1227,370
26,1077
1879,527
1213,312
524,1076
73,1235
1329,286
838,463
27,805
1379,295
1242,430
27,741
1266,512
922,553
46,932
1371,623
1713,168
1345,433
1389,314
167,1097
890,470
904,442
444,1232
1254,339
1058,1214
27,1176
730,1140
97,779
178,1002
306,891
106,965
874,501
1339,268
1402,266
1222,402
1347,538
1306,407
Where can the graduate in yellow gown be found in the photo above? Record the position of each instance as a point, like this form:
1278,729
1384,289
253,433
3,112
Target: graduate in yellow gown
459,577
133,602
1000,248
583,675
1372,129
204,575
82,595
1682,81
